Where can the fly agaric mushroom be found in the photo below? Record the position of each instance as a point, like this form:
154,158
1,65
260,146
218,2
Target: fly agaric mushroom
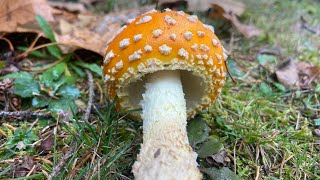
171,65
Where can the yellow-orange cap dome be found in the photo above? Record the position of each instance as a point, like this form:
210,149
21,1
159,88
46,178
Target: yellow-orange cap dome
167,40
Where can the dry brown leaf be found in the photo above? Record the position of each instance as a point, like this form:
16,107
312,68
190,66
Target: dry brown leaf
236,7
247,31
21,169
16,13
287,74
47,143
298,74
69,6
92,32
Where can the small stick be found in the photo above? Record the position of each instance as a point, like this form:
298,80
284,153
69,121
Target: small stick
23,114
9,43
91,94
257,173
56,170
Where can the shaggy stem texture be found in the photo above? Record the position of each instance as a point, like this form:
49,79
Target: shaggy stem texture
165,152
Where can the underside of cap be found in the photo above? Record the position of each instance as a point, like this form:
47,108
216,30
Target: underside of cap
159,41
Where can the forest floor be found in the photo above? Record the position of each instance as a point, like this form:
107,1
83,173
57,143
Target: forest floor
56,119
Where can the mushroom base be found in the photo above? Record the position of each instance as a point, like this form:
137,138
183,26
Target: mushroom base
165,152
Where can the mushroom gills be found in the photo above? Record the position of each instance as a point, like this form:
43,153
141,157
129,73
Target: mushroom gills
193,87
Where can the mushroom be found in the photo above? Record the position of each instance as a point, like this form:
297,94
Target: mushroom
171,65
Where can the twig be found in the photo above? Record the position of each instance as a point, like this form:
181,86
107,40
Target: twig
23,114
9,43
56,170
257,173
284,161
43,68
91,94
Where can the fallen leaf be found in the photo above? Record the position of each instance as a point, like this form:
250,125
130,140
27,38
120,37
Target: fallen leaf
92,32
225,6
220,159
47,143
18,13
297,74
69,6
198,131
210,147
22,168
287,74
247,30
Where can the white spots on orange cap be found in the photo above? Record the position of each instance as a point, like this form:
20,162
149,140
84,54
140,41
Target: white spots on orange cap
205,56
131,70
219,57
183,53
120,30
215,42
124,43
167,9
137,37
130,21
165,50
147,48
199,56
170,20
194,47
210,62
135,56
108,57
113,70
156,33
125,75
200,33
119,65
173,36
144,19
209,27
107,77
141,67
192,19
200,62
181,13
188,35
225,56
204,47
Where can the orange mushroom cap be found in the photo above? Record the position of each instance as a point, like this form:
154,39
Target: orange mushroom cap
170,40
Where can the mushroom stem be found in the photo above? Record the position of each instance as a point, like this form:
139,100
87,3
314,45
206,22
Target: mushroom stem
165,152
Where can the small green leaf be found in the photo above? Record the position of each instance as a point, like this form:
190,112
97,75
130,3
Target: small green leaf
20,74
92,67
49,76
63,107
198,131
221,174
77,70
26,87
70,91
265,89
279,86
46,28
210,147
234,69
264,59
26,136
40,101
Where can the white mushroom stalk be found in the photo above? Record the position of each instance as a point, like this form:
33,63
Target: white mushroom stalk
165,152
